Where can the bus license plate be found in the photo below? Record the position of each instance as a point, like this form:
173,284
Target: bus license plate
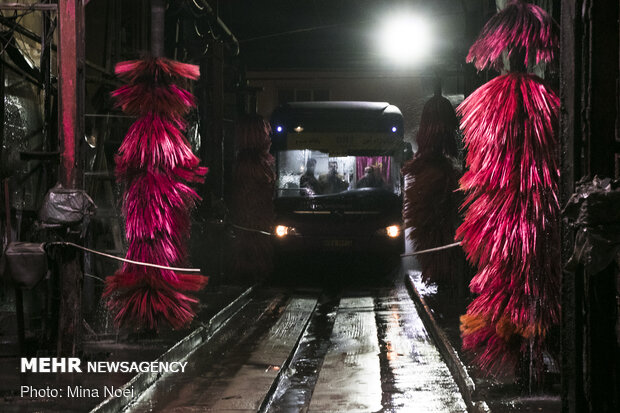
337,243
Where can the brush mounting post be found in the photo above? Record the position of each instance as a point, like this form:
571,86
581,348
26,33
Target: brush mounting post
158,12
517,61
437,85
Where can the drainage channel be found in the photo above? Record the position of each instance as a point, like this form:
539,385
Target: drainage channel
293,389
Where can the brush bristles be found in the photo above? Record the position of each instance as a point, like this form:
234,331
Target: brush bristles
149,307
438,126
155,163
252,200
155,70
510,229
142,99
430,208
518,27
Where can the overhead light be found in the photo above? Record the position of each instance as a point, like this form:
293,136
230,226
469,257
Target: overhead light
279,128
405,38
298,129
394,129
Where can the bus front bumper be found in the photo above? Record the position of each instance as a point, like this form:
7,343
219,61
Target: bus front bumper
378,244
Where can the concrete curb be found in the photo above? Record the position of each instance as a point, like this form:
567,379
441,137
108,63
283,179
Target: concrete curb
181,350
457,368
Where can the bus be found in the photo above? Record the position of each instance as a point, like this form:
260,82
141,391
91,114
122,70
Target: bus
339,186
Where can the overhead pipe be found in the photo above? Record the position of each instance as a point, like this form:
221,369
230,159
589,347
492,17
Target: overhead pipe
206,9
31,6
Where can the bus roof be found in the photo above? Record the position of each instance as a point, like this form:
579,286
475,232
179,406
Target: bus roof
295,124
359,106
338,116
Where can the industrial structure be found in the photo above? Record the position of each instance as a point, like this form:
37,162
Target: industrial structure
60,133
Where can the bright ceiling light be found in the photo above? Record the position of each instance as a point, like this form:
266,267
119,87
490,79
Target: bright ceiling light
405,39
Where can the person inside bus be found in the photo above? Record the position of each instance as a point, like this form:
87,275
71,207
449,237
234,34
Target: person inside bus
332,182
307,182
371,179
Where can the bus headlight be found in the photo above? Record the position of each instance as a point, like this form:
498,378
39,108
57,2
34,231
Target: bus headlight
393,231
282,231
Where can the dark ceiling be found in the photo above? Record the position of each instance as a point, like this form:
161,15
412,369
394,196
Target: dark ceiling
334,34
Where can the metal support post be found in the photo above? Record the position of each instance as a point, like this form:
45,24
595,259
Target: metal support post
71,127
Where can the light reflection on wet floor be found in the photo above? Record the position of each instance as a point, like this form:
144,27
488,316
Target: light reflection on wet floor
370,352
350,379
417,380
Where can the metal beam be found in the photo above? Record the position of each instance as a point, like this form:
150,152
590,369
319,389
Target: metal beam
571,343
21,73
46,78
71,127
33,6
2,121
69,76
34,37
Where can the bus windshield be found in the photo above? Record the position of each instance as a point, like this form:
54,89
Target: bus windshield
310,173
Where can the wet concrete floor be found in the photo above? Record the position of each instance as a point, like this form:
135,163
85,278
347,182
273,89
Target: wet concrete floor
351,350
113,345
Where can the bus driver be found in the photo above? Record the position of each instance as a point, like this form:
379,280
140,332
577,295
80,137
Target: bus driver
333,183
307,182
